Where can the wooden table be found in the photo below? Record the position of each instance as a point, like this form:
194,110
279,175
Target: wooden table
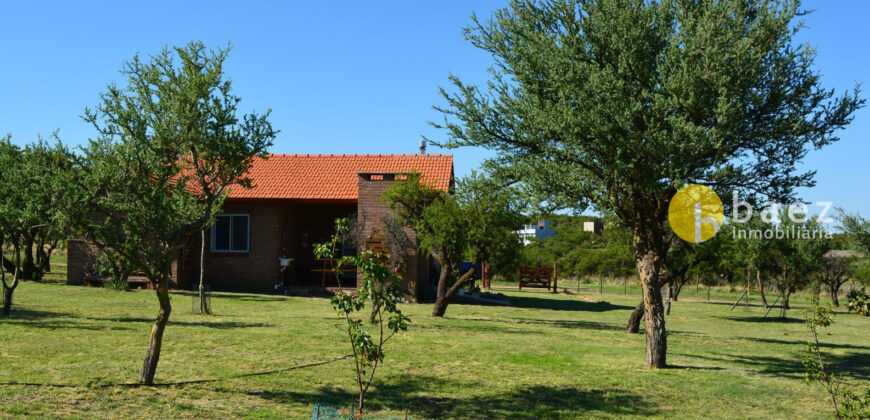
328,264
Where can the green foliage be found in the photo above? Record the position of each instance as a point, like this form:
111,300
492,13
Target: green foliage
477,223
169,147
619,104
857,231
33,185
622,105
579,253
858,301
409,199
378,284
794,261
852,405
116,267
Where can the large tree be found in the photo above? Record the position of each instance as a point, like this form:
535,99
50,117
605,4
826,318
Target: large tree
622,102
169,147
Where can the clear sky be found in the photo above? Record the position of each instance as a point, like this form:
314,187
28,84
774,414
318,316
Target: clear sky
340,77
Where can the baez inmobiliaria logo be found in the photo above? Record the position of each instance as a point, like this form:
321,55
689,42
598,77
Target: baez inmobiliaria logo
696,214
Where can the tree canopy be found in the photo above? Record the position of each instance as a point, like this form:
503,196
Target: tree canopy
169,147
621,103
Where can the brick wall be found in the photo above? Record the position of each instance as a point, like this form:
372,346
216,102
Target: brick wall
257,269
372,213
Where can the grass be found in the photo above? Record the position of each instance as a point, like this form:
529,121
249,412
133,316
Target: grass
548,356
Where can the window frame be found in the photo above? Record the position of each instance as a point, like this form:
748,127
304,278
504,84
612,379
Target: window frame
213,234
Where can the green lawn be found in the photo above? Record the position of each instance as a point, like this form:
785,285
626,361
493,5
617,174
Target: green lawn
549,356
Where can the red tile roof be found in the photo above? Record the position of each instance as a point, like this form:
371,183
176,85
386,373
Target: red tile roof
334,177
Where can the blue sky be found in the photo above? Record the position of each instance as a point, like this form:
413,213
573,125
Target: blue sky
340,77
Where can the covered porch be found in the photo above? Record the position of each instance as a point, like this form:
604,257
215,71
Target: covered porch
268,245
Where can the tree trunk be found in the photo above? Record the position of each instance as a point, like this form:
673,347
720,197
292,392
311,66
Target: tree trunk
376,308
444,294
668,300
440,301
9,289
787,294
7,299
761,288
42,262
654,311
203,301
835,292
28,268
634,321
678,286
149,368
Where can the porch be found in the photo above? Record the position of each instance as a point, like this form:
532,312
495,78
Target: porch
251,238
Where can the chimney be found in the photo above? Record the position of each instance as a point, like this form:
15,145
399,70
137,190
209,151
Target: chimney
422,147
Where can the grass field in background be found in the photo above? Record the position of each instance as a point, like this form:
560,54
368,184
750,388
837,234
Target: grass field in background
548,356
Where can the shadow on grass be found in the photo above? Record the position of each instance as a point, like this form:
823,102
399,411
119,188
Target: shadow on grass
851,364
687,367
205,324
57,320
775,319
564,304
50,321
30,314
587,325
246,297
251,298
739,305
802,343
415,394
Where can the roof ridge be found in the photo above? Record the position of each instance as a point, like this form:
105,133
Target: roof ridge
362,155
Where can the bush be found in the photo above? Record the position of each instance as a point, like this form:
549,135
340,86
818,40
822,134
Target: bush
859,302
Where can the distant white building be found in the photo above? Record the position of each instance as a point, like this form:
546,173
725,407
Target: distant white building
594,227
541,231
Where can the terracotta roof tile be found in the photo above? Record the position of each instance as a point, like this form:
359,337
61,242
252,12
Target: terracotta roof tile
334,177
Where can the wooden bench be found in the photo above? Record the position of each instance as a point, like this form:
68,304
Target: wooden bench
537,276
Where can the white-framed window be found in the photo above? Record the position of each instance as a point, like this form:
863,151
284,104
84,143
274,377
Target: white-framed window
231,233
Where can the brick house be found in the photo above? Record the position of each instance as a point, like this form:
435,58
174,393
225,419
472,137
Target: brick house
293,204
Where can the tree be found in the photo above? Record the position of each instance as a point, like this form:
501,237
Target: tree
476,222
835,271
33,183
848,402
168,149
621,103
381,285
795,260
857,231
42,171
753,251
10,219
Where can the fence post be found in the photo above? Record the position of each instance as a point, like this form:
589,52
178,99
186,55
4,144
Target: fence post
555,278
